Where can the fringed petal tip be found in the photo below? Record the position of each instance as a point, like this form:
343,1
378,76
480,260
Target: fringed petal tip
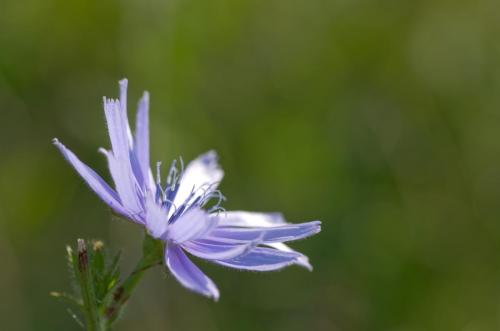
110,104
275,234
317,225
123,82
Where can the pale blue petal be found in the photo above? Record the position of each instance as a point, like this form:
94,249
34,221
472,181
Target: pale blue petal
125,183
262,259
137,172
194,224
215,250
260,220
251,219
201,176
123,109
188,274
302,261
117,128
95,182
279,233
156,218
141,146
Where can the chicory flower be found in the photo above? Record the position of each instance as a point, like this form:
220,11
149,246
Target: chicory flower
176,211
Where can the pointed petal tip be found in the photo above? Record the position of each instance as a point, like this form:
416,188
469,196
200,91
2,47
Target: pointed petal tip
123,82
143,105
304,262
103,151
59,145
214,293
188,274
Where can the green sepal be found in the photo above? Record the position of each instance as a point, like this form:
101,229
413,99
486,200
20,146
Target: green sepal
99,294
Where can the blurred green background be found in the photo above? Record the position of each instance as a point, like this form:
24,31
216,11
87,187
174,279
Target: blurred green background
381,118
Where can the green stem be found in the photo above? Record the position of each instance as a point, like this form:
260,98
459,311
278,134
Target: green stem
152,256
87,288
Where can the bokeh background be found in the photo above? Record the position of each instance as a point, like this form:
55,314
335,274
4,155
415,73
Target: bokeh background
381,118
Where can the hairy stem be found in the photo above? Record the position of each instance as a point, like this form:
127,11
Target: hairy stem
87,288
151,257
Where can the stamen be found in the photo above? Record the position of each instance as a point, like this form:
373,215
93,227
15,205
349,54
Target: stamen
217,210
158,173
167,204
181,161
172,175
103,151
160,194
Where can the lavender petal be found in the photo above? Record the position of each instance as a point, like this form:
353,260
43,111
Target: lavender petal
123,108
188,274
302,260
156,218
279,233
95,182
262,259
251,219
214,250
141,146
117,128
255,219
194,224
125,183
201,176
